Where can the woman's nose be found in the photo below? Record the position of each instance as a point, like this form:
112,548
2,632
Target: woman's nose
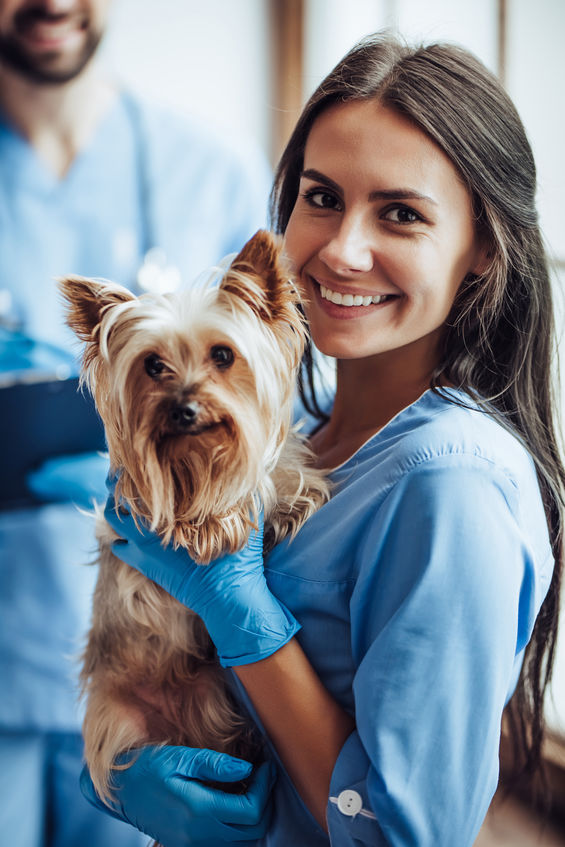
350,248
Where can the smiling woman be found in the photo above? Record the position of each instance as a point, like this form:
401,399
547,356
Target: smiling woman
434,205
409,180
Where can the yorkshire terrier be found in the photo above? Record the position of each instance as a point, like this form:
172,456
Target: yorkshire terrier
196,394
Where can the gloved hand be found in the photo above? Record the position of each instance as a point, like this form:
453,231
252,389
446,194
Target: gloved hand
244,620
161,795
78,478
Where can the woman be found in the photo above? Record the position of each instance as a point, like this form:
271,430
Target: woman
406,196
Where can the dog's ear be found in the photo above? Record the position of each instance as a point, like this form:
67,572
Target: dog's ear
87,300
258,275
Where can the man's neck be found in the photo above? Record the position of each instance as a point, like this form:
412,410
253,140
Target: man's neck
57,120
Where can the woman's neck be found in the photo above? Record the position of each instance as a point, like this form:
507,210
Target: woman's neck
369,393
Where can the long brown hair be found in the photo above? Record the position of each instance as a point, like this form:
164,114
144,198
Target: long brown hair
499,338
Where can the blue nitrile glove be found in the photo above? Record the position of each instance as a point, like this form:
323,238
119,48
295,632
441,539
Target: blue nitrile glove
79,479
160,794
244,620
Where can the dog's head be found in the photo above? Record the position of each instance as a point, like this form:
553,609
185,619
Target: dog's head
195,389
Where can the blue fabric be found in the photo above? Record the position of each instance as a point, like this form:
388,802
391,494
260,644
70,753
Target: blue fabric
417,587
39,775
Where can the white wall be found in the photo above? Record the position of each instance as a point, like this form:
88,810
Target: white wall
536,82
331,28
207,57
471,23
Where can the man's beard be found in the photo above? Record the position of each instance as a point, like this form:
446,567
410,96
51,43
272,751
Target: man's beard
44,68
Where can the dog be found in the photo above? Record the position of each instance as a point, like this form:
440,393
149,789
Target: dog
196,394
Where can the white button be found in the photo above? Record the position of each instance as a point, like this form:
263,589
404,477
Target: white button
349,803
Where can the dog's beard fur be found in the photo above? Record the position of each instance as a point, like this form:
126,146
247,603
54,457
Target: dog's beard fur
231,353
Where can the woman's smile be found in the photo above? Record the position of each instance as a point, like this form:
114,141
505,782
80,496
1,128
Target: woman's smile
347,304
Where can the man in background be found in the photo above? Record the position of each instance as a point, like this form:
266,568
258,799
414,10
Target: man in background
97,183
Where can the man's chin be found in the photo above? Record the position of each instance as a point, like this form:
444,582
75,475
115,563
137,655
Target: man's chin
50,68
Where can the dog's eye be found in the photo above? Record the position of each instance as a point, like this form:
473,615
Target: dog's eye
222,356
154,366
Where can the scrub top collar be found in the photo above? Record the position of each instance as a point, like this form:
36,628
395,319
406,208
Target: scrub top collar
33,172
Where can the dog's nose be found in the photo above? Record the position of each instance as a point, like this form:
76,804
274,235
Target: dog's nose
184,415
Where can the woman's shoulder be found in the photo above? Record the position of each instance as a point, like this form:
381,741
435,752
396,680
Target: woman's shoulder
448,462
445,432
449,423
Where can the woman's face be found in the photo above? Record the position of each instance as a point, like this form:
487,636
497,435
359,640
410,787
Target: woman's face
381,235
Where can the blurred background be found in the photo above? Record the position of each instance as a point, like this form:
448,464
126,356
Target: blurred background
247,67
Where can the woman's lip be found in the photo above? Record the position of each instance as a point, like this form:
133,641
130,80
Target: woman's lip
318,283
342,312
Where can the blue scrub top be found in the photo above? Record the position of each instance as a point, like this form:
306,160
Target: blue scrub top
417,587
206,200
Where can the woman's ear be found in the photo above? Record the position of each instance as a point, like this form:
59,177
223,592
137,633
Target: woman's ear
482,262
484,254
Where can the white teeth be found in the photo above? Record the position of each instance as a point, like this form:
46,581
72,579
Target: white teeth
350,299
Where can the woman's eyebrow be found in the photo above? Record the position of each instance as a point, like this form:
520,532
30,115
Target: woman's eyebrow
401,194
316,176
382,194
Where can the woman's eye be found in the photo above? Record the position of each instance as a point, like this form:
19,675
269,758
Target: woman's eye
222,356
402,215
154,366
321,199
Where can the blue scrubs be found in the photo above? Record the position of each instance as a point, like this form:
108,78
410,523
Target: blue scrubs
205,201
417,587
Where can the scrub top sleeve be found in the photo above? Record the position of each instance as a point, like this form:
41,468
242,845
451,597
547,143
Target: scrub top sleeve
444,603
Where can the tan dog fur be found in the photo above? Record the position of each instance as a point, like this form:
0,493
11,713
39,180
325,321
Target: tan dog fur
150,674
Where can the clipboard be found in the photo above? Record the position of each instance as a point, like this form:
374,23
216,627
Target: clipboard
42,417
